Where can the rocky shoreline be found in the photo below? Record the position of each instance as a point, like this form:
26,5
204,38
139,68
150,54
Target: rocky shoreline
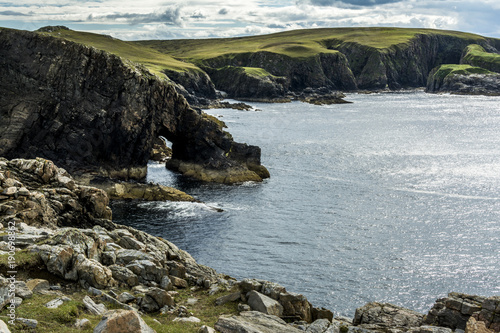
69,258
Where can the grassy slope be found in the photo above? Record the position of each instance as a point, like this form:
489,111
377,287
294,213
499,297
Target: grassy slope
296,43
153,60
445,70
476,55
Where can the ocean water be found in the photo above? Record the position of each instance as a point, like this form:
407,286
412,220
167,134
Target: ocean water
394,198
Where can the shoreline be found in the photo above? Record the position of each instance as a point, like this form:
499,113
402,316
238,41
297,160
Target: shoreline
121,267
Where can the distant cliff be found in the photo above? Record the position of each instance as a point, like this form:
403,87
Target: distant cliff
94,112
343,59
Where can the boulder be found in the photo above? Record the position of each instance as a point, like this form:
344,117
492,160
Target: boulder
146,270
82,324
160,296
254,322
387,315
264,304
122,321
55,303
178,282
296,306
92,273
233,297
318,326
36,285
187,319
126,297
474,326
92,307
124,275
5,329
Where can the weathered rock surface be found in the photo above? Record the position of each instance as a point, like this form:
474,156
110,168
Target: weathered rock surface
254,322
141,191
122,321
53,198
387,315
91,111
455,311
464,84
264,304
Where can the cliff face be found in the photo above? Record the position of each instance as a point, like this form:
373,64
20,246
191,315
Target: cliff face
237,83
403,65
90,111
329,70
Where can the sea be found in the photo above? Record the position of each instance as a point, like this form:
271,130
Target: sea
392,198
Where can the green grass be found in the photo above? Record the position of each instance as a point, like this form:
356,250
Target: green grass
296,43
477,56
445,70
153,60
255,71
62,319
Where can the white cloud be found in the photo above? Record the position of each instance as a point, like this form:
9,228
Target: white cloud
146,19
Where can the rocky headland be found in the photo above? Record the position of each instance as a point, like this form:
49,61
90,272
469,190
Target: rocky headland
66,267
96,113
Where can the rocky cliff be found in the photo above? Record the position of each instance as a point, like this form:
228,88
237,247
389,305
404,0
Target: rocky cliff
94,112
329,70
405,65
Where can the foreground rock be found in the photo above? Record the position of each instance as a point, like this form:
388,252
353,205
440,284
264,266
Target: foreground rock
121,321
254,322
102,257
93,112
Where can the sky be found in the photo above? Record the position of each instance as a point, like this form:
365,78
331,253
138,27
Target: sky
157,19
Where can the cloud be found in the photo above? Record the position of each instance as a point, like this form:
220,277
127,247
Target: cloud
169,16
12,13
362,3
223,11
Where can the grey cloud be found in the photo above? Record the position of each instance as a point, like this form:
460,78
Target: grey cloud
198,15
12,13
170,16
223,11
352,2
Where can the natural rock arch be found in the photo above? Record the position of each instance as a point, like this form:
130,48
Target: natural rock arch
93,112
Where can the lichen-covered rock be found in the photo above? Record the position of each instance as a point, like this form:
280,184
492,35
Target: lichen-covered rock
264,304
120,321
253,322
52,198
387,315
455,311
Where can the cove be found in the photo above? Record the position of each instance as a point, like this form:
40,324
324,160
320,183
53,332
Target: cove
394,198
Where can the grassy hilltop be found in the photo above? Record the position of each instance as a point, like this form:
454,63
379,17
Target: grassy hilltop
296,43
268,66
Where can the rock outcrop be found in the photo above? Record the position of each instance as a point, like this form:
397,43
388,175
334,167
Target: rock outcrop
455,311
403,65
123,268
93,112
463,80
